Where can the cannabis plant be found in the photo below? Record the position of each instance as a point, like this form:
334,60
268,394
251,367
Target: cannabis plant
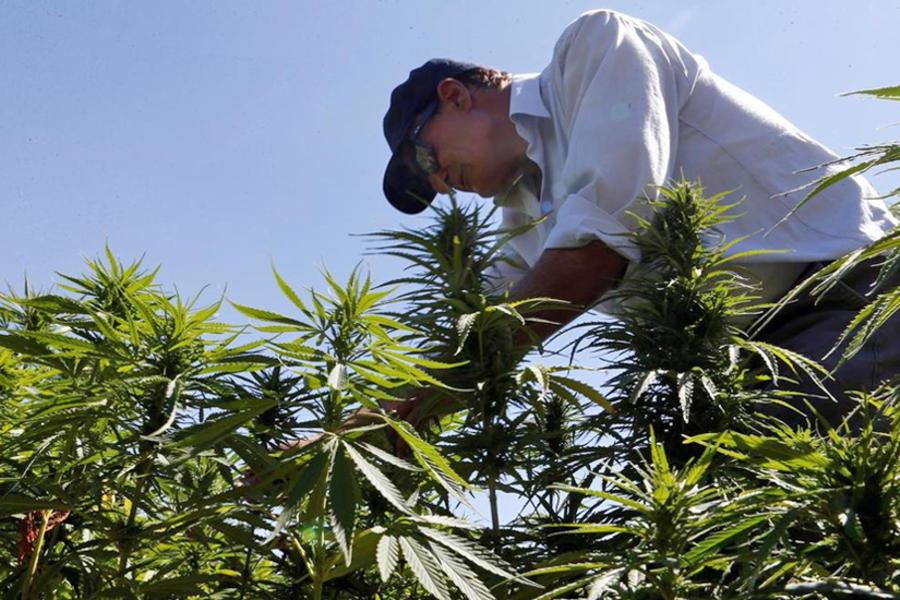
830,500
682,361
885,292
147,450
340,485
512,423
115,396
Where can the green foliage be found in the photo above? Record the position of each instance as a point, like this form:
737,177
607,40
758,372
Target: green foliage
885,294
839,491
500,438
867,157
151,451
667,533
114,401
133,416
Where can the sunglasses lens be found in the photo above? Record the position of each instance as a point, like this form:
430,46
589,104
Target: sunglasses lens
425,159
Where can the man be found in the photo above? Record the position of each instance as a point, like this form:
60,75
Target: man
622,108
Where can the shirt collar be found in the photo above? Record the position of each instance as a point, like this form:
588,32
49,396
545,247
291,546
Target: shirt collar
525,96
525,101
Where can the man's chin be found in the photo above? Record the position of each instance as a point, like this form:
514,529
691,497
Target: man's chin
488,194
496,189
493,189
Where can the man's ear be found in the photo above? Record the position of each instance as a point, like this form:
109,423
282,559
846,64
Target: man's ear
454,93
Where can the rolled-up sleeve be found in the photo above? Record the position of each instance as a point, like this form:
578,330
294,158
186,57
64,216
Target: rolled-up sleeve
619,85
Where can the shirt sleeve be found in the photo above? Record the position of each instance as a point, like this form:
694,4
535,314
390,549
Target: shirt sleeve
618,85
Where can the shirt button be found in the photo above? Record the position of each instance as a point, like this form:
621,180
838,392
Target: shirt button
546,206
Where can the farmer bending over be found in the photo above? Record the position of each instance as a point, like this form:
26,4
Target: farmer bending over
622,108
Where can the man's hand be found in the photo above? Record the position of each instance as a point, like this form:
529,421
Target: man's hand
414,411
420,409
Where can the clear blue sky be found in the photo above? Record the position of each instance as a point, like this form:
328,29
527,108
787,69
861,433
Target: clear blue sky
213,137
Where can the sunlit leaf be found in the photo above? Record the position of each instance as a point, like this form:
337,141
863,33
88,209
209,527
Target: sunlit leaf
424,566
388,556
342,499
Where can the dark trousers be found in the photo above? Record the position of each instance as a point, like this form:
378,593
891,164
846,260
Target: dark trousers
812,325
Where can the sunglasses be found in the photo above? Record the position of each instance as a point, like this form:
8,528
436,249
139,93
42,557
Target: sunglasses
425,155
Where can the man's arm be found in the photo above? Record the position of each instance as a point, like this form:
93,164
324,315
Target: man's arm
578,276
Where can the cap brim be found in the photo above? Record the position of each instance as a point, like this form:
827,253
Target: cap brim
406,189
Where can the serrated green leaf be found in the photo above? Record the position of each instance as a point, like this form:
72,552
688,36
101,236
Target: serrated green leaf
424,566
456,570
584,389
209,432
411,358
885,93
606,495
593,528
16,504
389,458
719,539
342,496
288,291
566,569
266,315
388,555
645,382
565,589
22,345
471,551
685,384
445,521
378,480
183,585
435,464
388,323
463,327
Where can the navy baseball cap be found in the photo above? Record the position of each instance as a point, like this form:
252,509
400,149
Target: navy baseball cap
405,184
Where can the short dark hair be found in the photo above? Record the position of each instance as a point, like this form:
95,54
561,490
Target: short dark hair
484,77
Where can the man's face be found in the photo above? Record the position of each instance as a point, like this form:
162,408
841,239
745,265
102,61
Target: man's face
471,137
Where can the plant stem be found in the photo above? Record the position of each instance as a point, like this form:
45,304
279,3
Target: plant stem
495,513
503,592
132,515
310,567
317,588
35,556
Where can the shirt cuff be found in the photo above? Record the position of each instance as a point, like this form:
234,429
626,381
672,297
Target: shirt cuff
580,221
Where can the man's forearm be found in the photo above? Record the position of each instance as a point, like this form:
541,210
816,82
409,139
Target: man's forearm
578,276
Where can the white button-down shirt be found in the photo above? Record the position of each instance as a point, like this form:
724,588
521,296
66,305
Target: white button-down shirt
624,107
